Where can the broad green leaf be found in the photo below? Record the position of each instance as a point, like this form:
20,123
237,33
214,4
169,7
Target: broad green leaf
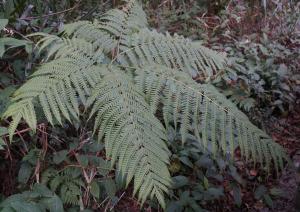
11,43
42,190
2,49
84,160
95,190
60,156
22,206
3,23
2,143
9,7
184,197
185,160
237,195
110,187
24,172
54,204
174,207
3,131
179,181
7,209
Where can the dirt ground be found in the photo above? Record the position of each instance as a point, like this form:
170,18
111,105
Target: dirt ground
286,131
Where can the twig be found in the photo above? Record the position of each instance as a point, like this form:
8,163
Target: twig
112,207
51,14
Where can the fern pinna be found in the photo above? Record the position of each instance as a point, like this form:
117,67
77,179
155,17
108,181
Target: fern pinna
135,83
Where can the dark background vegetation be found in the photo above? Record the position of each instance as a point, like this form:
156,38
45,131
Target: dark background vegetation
262,41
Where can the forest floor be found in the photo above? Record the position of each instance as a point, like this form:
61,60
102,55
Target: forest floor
286,131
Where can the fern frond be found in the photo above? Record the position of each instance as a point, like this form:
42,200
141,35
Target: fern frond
70,193
56,47
120,22
59,87
67,183
91,32
201,108
133,136
112,28
148,47
148,72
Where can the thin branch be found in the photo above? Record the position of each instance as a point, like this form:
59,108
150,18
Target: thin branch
51,14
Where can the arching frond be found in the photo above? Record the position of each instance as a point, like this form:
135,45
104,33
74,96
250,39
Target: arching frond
91,32
56,47
148,47
204,112
133,136
59,87
66,182
112,28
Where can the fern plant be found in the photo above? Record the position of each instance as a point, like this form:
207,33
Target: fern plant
135,83
67,183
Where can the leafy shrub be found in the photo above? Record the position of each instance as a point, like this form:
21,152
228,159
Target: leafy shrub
134,83
264,58
265,73
39,198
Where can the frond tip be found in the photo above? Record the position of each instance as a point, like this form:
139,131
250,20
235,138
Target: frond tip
201,110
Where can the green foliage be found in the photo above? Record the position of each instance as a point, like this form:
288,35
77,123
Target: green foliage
40,198
11,42
264,72
201,108
132,135
66,183
134,83
264,58
3,131
198,178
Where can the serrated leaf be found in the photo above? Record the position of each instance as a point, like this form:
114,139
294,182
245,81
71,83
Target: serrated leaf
179,181
110,187
22,206
94,189
24,173
54,204
60,156
42,190
83,160
186,161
